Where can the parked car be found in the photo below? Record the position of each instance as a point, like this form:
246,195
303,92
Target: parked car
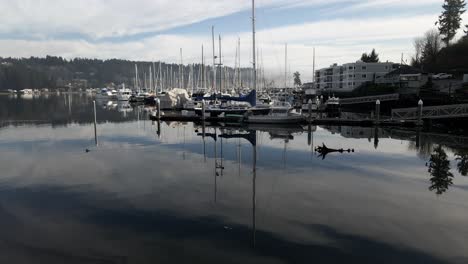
442,76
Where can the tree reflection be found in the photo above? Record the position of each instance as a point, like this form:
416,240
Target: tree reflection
462,165
439,168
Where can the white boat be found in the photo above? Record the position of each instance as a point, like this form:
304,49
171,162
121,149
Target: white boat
124,94
315,105
281,113
26,91
105,94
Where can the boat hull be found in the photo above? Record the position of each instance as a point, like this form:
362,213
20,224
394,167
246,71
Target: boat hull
275,119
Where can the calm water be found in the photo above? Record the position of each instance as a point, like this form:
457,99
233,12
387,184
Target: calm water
170,195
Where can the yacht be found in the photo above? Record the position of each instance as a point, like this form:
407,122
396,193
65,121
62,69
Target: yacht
105,94
26,91
281,113
333,104
124,94
315,105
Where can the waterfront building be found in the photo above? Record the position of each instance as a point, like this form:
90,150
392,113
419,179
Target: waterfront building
406,79
347,77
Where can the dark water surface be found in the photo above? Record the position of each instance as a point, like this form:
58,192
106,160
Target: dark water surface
173,196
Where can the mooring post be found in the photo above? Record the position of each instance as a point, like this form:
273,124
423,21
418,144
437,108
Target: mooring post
310,110
203,110
95,124
158,132
377,112
420,111
158,108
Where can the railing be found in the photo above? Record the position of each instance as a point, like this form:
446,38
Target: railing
370,99
431,112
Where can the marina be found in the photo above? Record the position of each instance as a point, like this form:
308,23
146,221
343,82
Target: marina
234,132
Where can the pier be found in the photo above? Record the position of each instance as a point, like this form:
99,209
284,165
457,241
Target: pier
370,99
431,112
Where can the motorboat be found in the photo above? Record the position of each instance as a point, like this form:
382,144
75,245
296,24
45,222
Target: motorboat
315,105
124,94
332,104
106,94
26,91
281,113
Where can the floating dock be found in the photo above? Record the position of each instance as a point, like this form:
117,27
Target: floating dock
307,120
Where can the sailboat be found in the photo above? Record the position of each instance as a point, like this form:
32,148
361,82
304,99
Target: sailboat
281,114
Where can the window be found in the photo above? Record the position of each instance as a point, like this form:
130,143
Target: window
350,76
350,67
364,67
364,76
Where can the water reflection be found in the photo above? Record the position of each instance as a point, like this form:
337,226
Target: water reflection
215,193
439,168
462,165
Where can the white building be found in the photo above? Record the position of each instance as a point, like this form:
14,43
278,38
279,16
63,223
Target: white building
347,77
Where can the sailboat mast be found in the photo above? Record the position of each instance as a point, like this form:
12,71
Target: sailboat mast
253,48
203,68
181,76
214,60
155,82
137,85
313,69
150,79
286,66
220,68
160,77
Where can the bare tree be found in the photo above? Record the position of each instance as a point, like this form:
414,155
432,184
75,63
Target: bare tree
418,49
432,44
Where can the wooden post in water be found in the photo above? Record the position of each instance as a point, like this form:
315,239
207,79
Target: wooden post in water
95,124
377,112
158,108
203,110
420,111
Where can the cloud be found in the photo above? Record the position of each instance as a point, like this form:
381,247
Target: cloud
338,40
97,19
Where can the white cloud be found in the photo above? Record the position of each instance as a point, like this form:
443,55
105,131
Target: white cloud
101,18
337,41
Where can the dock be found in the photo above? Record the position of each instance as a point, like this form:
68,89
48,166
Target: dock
238,119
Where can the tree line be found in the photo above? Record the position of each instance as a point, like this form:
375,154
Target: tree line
50,72
438,50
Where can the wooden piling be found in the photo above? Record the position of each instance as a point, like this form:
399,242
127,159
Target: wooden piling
420,111
377,112
95,124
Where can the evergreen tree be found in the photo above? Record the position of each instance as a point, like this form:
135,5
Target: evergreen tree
371,57
462,158
449,20
439,168
297,79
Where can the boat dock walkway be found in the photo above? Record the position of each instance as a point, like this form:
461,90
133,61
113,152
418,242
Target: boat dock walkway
237,119
370,99
431,112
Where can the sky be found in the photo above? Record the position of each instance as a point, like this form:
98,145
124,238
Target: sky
339,30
